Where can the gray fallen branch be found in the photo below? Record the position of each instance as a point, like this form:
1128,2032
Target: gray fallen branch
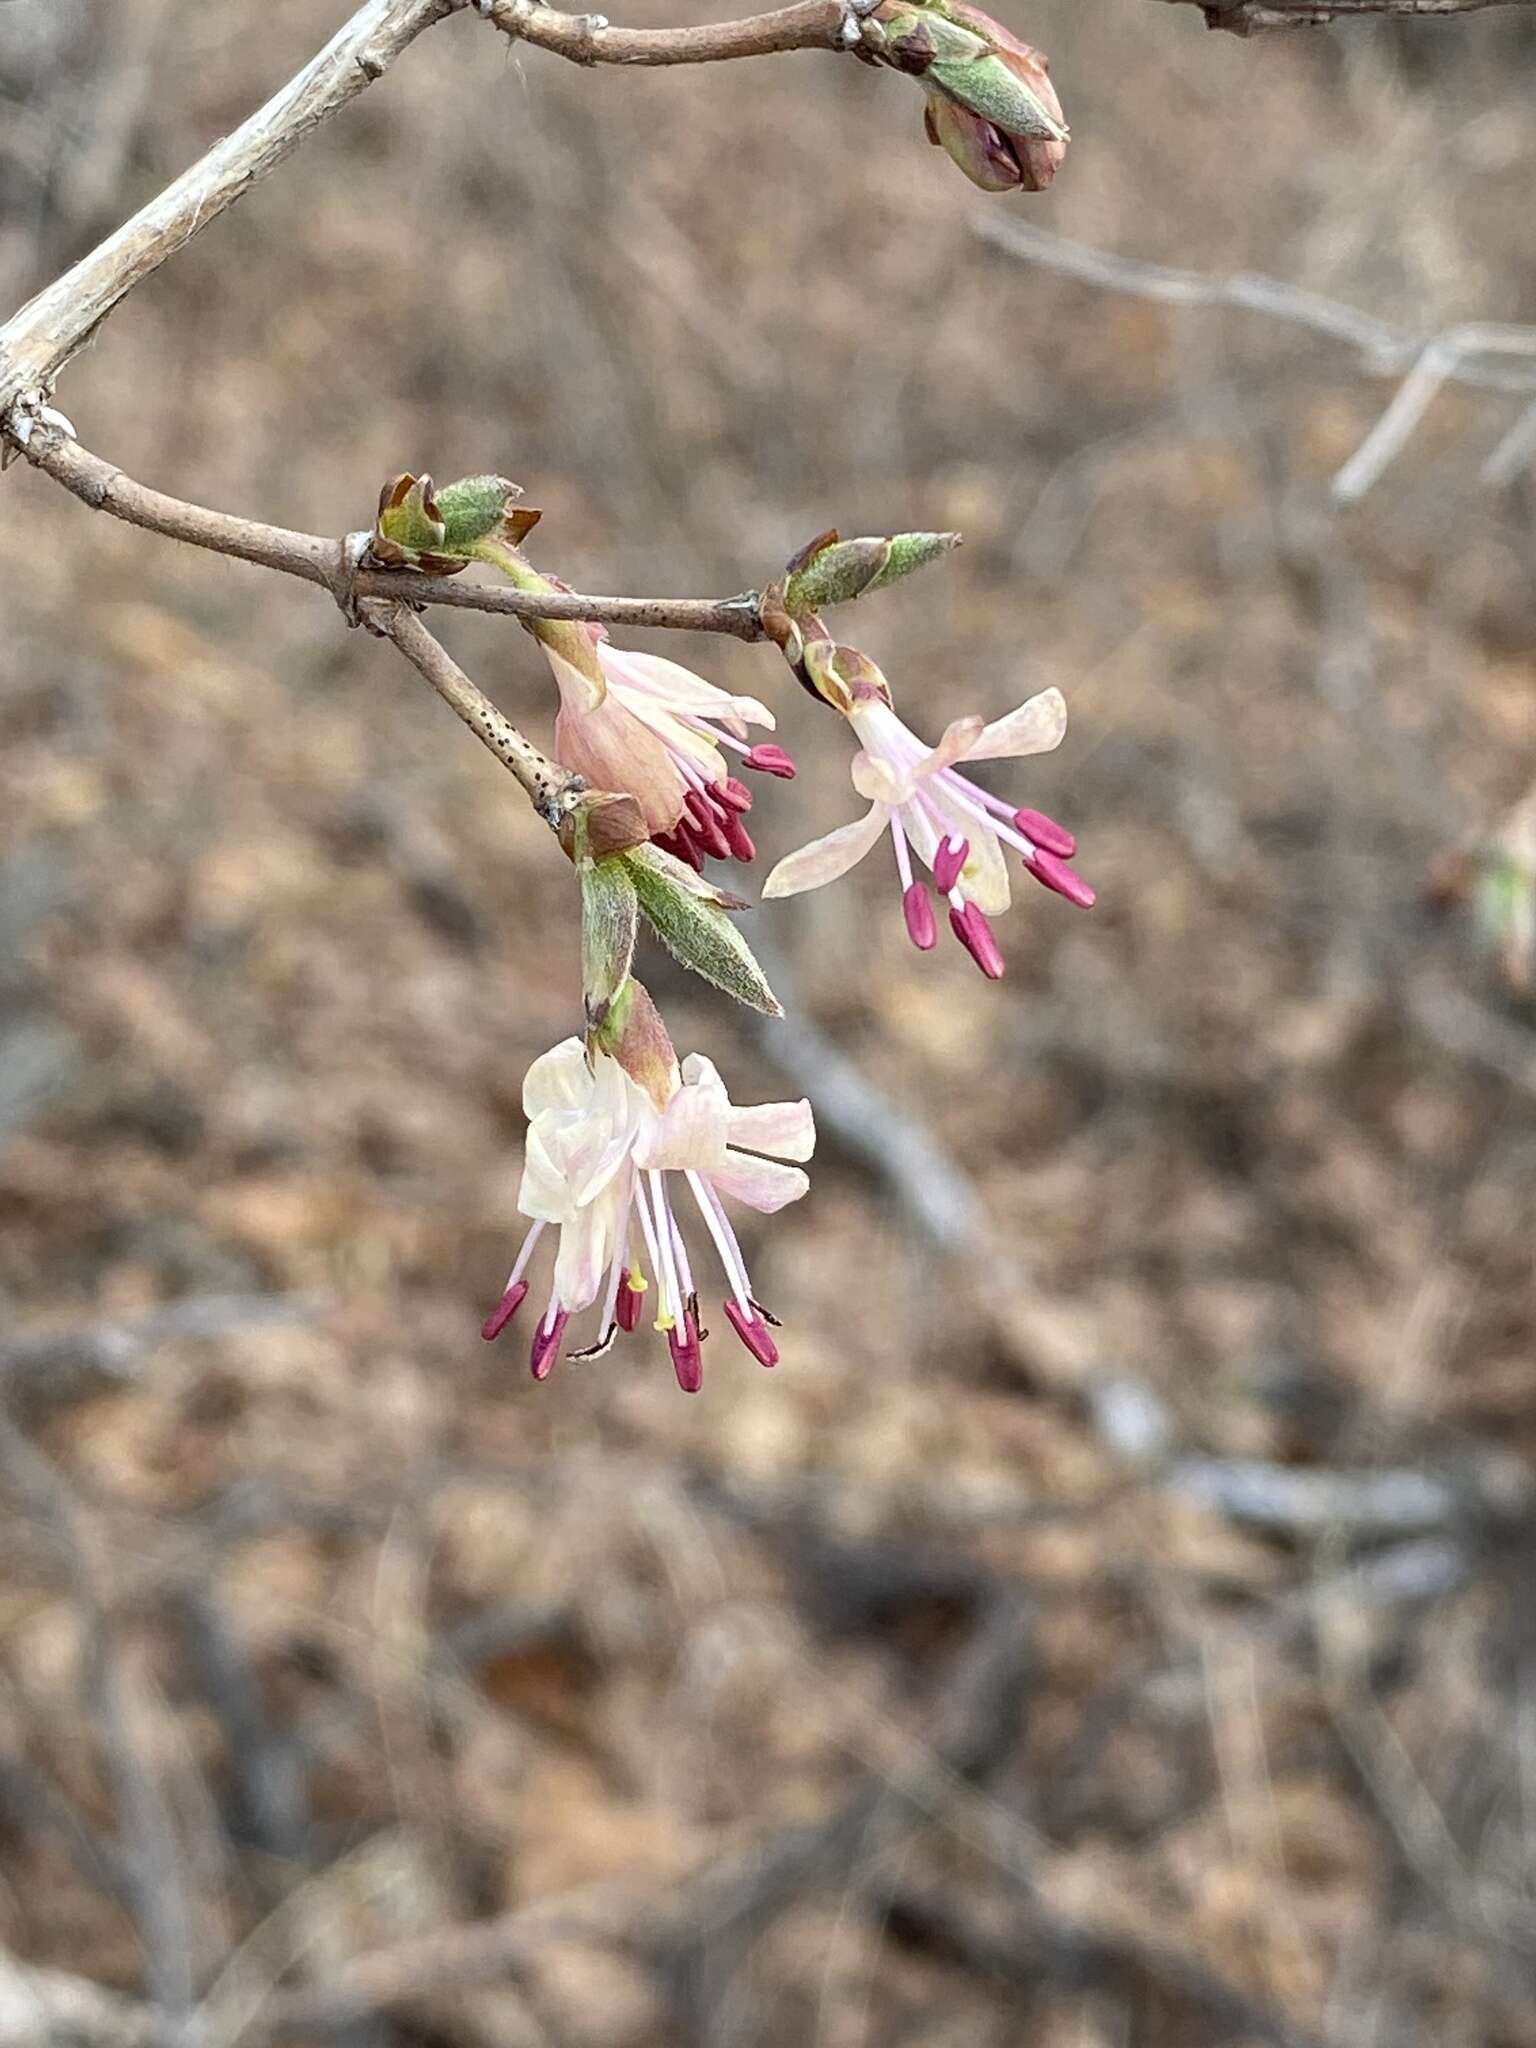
1469,353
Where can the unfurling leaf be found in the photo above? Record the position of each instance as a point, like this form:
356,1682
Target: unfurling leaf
688,915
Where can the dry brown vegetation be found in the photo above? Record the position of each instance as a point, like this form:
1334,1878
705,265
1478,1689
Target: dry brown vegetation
1003,1668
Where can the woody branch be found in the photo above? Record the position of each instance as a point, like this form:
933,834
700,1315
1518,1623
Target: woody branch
1245,17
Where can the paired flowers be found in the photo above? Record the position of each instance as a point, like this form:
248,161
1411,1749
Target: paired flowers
606,1167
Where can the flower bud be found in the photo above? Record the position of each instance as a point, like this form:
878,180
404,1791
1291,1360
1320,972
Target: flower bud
991,104
836,571
438,532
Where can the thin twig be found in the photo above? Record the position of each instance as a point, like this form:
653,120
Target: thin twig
314,559
592,39
1245,17
1465,354
37,342
544,781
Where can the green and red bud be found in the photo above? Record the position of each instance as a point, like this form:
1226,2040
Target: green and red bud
991,104
437,532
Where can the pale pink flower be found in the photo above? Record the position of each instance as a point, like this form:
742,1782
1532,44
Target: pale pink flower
659,732
958,830
605,1167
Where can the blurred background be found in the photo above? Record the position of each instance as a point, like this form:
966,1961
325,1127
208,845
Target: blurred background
1111,1625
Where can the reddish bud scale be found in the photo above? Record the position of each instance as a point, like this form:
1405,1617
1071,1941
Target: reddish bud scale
753,1332
1044,832
949,859
626,1309
771,760
1055,874
970,927
504,1311
546,1347
917,909
687,1354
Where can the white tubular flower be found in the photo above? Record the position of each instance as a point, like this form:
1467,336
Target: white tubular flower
657,731
606,1167
958,830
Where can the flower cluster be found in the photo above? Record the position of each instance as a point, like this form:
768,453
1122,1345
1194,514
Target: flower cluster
607,1169
623,1139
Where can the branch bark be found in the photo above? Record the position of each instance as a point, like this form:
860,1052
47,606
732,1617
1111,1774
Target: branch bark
315,559
1249,17
592,39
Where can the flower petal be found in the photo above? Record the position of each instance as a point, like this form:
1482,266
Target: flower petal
880,781
586,1252
691,1130
984,878
544,1192
823,860
785,1130
761,1183
558,1079
1035,728
957,743
615,750
679,689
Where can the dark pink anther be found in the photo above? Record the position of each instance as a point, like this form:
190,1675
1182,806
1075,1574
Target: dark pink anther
970,927
627,1307
705,825
504,1310
950,856
771,760
680,843
739,838
917,909
546,1346
1055,874
753,1332
734,794
1046,833
687,1354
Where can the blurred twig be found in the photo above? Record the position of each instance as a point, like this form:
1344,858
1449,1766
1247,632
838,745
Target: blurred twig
1465,354
1245,17
50,1368
41,338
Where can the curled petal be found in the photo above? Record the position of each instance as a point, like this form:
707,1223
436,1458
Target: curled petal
558,1079
784,1130
544,1192
761,1183
824,860
1035,728
677,688
957,744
